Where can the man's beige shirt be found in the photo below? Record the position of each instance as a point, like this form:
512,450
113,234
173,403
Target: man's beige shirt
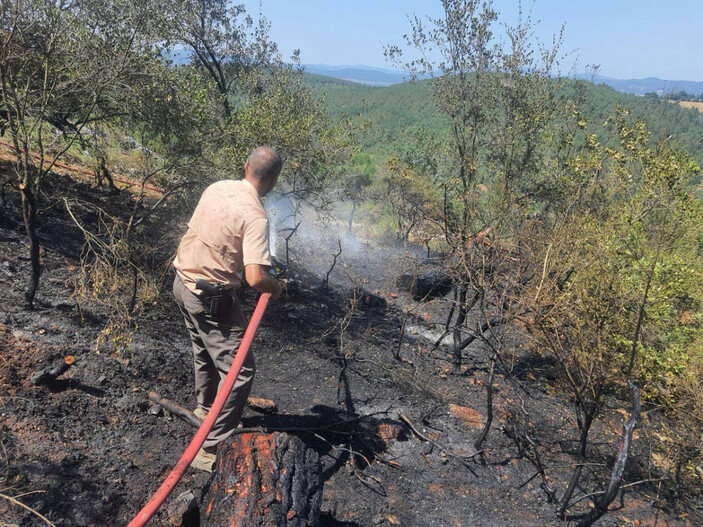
229,229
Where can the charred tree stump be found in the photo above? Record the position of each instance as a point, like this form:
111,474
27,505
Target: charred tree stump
264,480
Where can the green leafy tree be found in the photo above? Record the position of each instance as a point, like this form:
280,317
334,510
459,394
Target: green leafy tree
583,235
65,63
264,99
409,198
172,118
224,41
619,295
284,114
357,175
499,101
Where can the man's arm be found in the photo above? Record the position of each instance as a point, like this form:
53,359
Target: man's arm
258,278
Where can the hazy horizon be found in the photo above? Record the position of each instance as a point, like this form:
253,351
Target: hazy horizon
628,39
388,69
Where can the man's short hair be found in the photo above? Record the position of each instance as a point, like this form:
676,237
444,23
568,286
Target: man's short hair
264,163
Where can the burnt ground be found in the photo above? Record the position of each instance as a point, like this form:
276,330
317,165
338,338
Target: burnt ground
86,450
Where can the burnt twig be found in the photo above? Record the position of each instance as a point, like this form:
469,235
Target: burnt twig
288,237
524,442
622,487
326,281
14,501
425,418
497,321
372,483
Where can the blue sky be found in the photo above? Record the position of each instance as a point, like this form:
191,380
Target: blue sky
627,38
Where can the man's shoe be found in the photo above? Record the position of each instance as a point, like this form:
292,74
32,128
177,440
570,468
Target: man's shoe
200,413
204,460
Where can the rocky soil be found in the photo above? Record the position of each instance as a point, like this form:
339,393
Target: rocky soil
89,449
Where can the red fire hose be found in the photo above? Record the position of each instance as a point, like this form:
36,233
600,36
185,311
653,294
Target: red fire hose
172,479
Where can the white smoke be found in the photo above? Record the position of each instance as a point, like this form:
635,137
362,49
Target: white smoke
316,241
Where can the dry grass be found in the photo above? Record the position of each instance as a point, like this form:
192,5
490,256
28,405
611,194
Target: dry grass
84,174
691,104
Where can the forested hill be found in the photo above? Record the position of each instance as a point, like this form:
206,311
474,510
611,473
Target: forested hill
401,110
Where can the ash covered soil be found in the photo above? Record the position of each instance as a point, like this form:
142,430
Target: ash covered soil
86,449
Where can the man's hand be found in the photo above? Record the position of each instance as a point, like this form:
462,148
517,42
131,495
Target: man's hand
258,277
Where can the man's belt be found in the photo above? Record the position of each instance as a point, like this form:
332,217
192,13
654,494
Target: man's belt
216,301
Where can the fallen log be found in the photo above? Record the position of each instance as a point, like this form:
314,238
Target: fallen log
176,409
255,403
270,479
50,374
427,286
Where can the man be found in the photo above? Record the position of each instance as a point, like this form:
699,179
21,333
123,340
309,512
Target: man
228,235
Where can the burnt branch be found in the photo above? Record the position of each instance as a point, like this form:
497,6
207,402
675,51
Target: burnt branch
175,409
489,403
326,281
288,237
493,322
255,403
601,506
50,374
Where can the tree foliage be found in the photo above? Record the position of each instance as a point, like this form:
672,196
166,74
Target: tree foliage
224,42
283,113
396,111
619,293
500,101
87,68
68,64
585,235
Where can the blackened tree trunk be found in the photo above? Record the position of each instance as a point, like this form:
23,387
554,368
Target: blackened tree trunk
460,320
29,212
264,479
589,413
103,173
602,504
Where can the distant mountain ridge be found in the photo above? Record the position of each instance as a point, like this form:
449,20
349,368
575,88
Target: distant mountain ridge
360,74
372,76
648,85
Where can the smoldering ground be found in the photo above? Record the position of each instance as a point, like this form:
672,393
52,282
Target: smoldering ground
87,451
